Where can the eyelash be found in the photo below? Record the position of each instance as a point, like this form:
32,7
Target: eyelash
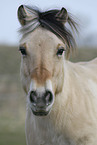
60,51
22,50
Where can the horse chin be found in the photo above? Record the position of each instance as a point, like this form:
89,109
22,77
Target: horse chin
40,113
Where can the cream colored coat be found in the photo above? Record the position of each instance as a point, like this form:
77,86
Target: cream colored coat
73,117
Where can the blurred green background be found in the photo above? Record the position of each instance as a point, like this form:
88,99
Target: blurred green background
12,97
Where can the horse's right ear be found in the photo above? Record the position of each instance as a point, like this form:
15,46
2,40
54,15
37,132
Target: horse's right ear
21,15
25,14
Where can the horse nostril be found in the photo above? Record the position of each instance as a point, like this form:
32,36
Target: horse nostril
33,97
42,99
48,97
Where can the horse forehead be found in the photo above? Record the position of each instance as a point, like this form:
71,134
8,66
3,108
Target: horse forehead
40,41
43,38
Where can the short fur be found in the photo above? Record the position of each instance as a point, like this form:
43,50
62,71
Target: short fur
73,117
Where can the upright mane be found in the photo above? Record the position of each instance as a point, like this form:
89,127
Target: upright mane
52,20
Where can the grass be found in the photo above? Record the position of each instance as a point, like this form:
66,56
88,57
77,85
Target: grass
12,98
9,60
84,54
12,130
12,138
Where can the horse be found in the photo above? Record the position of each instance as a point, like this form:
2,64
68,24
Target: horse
61,95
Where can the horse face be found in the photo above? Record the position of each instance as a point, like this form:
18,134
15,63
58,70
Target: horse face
42,69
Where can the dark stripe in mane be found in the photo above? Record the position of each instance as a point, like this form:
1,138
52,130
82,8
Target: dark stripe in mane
50,21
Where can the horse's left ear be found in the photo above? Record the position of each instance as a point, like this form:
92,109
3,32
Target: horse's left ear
25,14
62,15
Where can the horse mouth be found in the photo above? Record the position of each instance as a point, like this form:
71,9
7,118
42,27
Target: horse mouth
40,113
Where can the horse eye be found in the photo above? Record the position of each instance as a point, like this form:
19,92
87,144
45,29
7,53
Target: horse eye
22,50
60,51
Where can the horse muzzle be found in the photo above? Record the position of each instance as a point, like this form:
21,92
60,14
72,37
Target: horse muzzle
41,103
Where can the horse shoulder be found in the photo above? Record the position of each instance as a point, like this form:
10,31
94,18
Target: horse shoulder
92,63
78,102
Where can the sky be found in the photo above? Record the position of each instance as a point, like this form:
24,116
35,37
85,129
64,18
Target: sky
85,12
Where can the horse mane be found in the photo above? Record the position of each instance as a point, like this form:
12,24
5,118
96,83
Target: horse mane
49,21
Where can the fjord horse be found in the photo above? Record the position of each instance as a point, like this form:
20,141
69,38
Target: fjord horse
61,95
